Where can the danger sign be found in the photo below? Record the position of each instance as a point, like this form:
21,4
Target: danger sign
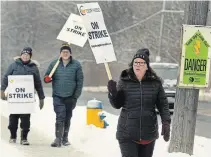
196,54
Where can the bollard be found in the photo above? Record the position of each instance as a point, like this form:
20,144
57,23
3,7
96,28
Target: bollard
95,116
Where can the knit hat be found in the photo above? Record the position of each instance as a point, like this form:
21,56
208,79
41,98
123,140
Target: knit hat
65,47
143,54
27,50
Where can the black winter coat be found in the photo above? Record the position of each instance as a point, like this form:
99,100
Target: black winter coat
18,68
138,119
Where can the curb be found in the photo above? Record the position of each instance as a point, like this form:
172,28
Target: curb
95,89
203,96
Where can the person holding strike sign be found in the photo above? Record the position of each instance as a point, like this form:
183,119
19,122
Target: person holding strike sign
138,92
67,78
23,65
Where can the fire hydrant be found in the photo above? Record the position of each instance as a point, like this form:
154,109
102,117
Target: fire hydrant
95,115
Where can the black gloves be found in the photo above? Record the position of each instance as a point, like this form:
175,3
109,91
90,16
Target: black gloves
112,87
166,131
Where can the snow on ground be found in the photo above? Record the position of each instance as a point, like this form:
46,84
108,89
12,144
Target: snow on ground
97,141
7,150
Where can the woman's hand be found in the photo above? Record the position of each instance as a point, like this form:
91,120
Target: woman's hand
112,87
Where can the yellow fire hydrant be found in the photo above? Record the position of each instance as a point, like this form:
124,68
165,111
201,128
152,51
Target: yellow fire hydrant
95,115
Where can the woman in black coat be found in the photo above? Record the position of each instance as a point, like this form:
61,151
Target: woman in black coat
138,93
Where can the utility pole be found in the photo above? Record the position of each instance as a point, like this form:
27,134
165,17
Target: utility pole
186,103
158,58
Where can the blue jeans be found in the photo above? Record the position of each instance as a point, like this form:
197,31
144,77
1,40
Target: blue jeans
63,107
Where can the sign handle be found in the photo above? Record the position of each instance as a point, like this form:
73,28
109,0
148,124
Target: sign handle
54,68
108,71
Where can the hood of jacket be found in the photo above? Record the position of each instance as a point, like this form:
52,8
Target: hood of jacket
32,62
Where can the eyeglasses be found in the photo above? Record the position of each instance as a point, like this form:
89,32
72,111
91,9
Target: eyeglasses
139,63
65,51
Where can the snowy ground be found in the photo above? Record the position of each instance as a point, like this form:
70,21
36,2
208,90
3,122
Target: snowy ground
94,142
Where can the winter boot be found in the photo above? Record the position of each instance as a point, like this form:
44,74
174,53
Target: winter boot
24,140
12,140
13,136
65,141
59,129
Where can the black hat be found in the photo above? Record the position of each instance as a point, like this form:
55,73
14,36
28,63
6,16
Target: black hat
65,47
27,50
143,54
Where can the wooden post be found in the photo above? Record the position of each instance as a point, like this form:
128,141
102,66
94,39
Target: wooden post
184,119
108,71
54,68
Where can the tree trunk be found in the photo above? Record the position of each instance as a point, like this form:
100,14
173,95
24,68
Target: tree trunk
186,104
209,24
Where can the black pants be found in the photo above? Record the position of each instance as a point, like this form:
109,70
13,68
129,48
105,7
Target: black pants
63,109
132,149
13,123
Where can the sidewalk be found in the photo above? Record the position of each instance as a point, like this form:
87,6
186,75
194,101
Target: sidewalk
87,141
40,137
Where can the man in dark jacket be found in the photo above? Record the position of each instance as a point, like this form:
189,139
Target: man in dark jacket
23,65
67,83
138,93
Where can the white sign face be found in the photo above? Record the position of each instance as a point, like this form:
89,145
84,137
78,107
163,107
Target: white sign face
73,31
99,39
20,89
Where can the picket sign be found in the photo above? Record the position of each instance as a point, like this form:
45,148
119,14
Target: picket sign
98,36
72,32
21,94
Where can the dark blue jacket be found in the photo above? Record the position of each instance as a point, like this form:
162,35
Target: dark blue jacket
18,68
67,80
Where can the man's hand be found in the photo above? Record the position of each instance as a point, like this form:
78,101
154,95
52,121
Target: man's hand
47,79
74,101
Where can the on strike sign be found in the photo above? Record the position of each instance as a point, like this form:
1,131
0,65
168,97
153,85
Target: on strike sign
73,31
99,39
21,89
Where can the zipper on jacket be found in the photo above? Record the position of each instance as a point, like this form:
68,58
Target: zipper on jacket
141,108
